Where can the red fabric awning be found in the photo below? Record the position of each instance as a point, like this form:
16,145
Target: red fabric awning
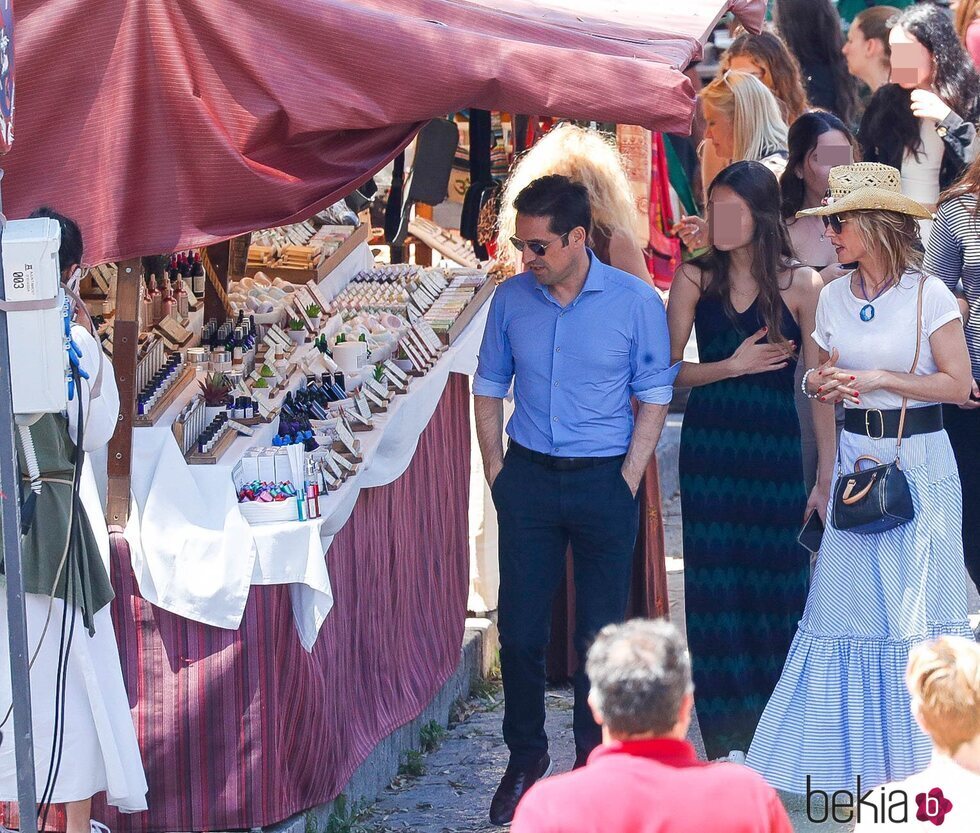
166,124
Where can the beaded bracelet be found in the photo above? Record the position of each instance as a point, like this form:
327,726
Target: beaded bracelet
803,386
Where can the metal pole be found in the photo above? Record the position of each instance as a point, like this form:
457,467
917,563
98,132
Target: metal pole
20,677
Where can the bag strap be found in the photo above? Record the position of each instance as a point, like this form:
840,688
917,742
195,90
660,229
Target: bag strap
915,363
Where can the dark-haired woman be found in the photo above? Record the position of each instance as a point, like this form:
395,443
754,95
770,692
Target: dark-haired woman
817,142
953,255
867,51
812,31
742,492
924,123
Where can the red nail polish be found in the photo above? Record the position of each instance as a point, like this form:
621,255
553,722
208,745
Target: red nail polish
853,378
823,398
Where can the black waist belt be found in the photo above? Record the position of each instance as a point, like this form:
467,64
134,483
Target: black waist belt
877,424
561,463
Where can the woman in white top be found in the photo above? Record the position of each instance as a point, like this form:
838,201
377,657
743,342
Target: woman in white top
944,682
99,752
924,123
743,123
840,709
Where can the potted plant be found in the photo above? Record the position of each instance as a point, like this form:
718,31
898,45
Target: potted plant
314,312
297,331
215,389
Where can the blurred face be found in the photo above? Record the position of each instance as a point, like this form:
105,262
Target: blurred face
730,220
848,242
745,63
832,148
719,131
561,257
912,64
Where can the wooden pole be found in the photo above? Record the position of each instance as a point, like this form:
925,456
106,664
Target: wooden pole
125,341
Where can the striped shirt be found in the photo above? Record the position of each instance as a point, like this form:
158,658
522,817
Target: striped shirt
953,255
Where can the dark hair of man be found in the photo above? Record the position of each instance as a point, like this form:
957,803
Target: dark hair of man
802,139
955,78
812,31
70,252
772,253
563,202
639,672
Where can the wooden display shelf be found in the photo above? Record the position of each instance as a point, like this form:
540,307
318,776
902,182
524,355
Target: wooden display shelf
149,420
470,310
195,458
301,276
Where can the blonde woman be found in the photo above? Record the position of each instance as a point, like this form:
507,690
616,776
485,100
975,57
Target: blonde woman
943,680
889,336
592,158
743,123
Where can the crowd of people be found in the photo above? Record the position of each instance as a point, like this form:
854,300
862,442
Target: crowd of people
829,450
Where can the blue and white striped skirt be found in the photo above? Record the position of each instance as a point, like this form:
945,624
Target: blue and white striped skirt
840,708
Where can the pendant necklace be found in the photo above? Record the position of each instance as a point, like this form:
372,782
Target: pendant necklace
868,310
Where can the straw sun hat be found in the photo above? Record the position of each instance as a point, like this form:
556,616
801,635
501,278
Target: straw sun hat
866,186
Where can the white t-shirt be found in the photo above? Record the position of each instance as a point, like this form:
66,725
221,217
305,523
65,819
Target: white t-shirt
887,342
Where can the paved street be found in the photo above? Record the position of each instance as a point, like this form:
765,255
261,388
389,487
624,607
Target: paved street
453,794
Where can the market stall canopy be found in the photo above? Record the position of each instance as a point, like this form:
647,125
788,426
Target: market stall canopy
165,124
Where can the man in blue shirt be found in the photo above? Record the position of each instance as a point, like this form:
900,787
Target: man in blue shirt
578,339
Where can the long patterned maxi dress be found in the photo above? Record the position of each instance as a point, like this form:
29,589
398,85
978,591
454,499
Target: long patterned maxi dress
742,502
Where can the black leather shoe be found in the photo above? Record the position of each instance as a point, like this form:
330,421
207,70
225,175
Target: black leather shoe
517,780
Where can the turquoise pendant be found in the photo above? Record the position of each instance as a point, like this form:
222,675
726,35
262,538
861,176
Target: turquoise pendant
867,312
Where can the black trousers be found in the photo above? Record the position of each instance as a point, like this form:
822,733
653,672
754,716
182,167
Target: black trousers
539,512
963,428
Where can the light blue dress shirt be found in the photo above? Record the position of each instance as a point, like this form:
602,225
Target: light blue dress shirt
575,367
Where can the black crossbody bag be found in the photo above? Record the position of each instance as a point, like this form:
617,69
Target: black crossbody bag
877,499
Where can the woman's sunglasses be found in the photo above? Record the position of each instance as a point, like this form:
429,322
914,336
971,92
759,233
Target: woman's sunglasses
835,222
534,246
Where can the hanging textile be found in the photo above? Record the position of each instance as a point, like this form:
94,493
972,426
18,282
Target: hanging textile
664,252
635,148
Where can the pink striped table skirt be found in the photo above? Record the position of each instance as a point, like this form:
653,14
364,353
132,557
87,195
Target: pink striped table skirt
241,729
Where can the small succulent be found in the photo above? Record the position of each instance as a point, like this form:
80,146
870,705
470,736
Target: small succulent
362,337
313,310
379,373
295,325
215,389
261,383
341,338
266,372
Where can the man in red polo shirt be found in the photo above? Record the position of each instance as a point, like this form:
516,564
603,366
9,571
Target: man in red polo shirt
646,778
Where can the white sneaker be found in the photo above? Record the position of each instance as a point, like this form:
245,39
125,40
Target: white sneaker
99,827
736,756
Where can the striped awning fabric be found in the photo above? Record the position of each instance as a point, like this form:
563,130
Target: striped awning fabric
162,125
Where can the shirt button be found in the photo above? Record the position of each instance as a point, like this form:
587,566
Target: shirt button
556,384
555,419
558,349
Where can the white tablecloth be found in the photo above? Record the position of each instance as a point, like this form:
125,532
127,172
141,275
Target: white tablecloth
195,555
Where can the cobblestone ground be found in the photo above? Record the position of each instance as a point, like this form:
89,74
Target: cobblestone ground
452,795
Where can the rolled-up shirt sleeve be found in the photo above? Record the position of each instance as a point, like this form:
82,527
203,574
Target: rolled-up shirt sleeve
496,365
652,374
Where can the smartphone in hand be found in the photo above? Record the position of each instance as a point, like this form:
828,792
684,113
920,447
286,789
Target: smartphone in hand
812,533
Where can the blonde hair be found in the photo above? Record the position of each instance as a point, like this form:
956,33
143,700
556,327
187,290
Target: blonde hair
966,12
758,129
892,237
943,678
585,156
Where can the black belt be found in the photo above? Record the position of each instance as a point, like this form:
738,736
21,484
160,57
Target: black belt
878,425
561,463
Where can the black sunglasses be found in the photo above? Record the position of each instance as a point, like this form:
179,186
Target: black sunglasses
537,248
834,222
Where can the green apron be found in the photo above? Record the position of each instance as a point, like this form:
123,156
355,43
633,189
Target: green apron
43,547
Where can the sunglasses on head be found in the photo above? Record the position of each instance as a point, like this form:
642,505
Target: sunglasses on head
536,247
834,222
